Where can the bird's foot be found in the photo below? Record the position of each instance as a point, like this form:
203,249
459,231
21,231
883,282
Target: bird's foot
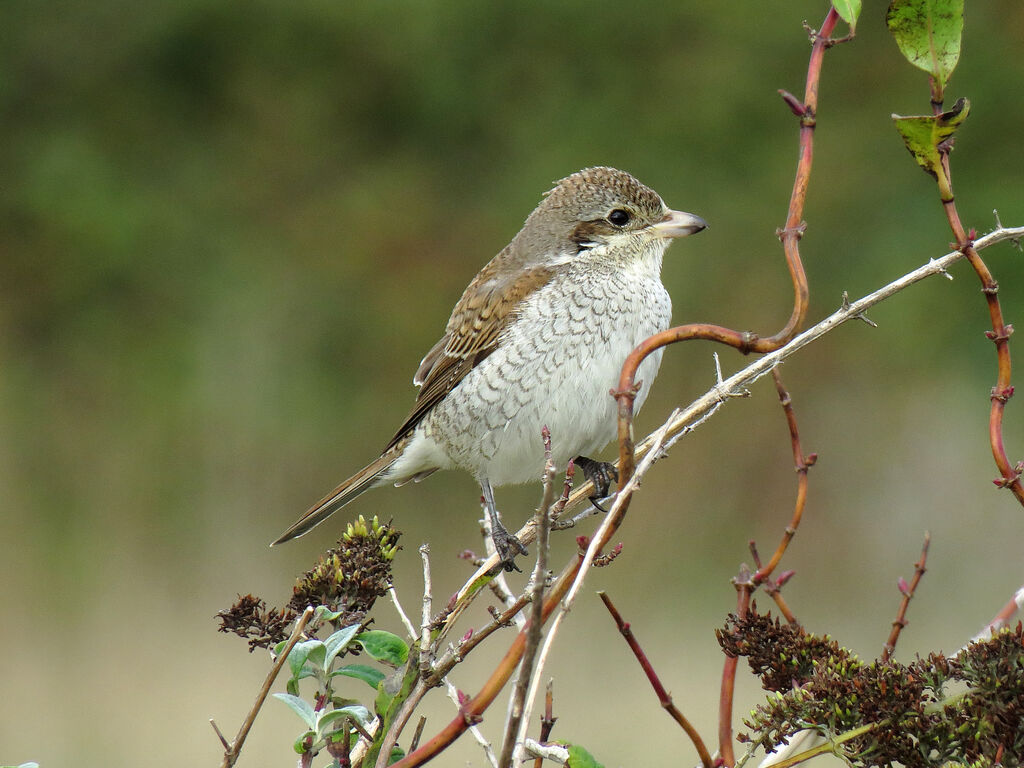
602,474
507,546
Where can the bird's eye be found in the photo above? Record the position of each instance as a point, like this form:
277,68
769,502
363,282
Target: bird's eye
619,217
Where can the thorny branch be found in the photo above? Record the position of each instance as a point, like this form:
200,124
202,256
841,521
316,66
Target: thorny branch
908,593
664,698
232,750
1010,474
525,675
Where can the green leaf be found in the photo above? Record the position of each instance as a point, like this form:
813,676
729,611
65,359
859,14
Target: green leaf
928,34
580,758
311,650
397,753
368,675
323,613
384,647
337,643
300,746
925,133
848,11
358,713
300,706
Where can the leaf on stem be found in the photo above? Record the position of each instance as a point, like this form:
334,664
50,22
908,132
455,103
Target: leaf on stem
928,34
848,11
299,706
384,647
337,643
368,675
923,134
580,758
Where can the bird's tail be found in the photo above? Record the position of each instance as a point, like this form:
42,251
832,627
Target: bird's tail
367,477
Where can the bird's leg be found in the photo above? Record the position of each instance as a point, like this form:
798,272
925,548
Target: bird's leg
602,474
506,544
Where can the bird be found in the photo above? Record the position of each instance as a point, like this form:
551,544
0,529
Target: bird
537,339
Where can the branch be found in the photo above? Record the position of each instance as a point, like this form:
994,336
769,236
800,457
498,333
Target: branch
543,518
664,698
231,751
683,421
908,593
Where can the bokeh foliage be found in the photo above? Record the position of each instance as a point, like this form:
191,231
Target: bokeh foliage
229,231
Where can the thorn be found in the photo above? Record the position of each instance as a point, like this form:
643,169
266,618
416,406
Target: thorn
942,272
754,553
796,106
227,746
866,319
630,392
797,231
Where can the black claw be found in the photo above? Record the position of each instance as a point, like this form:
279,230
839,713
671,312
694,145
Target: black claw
602,474
507,546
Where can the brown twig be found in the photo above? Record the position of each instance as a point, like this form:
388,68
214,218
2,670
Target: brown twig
801,464
746,582
417,734
908,593
231,751
547,721
475,707
664,698
1009,474
543,518
789,235
443,666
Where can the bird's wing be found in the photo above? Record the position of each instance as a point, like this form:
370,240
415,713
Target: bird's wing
473,331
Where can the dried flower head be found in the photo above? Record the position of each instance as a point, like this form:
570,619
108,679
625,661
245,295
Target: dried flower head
353,575
250,618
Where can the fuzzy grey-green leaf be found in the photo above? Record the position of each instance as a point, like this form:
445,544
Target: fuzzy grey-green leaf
928,34
299,706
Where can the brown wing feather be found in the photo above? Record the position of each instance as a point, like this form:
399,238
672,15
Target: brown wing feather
472,334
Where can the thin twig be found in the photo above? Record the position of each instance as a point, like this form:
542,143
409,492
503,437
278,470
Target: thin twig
1009,474
417,733
401,614
231,753
453,694
908,593
519,710
664,698
474,707
547,721
426,650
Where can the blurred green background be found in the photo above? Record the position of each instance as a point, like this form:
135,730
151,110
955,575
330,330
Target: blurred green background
228,233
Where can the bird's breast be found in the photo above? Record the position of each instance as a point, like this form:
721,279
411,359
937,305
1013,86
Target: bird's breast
554,365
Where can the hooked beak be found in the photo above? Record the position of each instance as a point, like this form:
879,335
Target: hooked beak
678,224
